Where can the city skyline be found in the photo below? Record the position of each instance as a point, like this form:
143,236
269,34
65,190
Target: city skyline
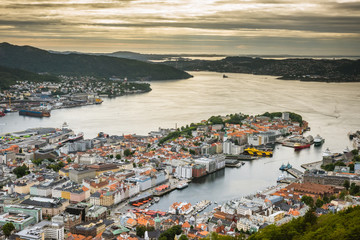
193,27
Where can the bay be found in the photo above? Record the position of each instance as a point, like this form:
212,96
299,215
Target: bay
332,110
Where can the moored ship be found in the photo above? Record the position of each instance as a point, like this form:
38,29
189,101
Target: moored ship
182,185
285,167
299,146
34,113
318,141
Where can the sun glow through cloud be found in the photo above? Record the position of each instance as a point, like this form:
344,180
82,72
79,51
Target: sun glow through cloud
221,26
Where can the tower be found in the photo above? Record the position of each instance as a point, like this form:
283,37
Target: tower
157,222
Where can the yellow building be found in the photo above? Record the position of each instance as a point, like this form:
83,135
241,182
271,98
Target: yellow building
65,194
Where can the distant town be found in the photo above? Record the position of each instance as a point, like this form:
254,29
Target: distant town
27,97
55,184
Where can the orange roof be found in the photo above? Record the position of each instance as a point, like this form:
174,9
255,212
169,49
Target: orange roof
186,225
204,233
131,221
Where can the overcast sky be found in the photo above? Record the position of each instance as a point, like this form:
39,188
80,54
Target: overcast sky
310,27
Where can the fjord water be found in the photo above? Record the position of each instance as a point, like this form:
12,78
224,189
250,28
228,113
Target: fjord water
332,110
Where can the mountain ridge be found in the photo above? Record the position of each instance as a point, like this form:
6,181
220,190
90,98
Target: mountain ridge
38,60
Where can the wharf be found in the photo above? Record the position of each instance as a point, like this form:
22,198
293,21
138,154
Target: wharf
288,180
233,163
241,157
313,165
159,194
294,172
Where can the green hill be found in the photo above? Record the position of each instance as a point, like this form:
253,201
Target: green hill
37,60
9,76
343,225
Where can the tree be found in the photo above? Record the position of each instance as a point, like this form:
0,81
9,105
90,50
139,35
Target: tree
310,217
183,237
68,160
37,162
118,156
192,152
343,194
21,171
308,200
127,152
111,156
140,231
216,120
319,203
134,165
354,189
8,228
346,184
352,167
171,232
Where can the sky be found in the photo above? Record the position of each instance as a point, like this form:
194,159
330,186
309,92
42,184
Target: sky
230,27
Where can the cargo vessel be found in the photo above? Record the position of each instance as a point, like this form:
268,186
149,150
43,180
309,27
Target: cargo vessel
299,146
34,113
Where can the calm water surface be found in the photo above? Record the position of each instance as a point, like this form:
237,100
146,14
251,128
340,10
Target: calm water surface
332,110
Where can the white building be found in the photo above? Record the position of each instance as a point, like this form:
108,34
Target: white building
184,171
285,116
42,230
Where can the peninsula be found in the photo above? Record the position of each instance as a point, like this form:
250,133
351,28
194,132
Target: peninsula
318,70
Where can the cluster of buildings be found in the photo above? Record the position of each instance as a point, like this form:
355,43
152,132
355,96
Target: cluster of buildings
69,92
58,185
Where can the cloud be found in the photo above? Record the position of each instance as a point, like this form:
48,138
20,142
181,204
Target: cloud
183,22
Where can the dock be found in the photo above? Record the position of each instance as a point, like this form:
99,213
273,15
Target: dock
233,163
241,157
313,165
159,194
294,172
288,180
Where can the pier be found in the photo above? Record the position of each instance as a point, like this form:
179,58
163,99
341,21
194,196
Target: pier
313,165
294,172
288,180
159,194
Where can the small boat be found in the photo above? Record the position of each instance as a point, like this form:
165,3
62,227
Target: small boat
318,141
281,177
285,167
156,199
282,168
182,185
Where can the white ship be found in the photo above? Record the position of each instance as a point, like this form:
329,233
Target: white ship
182,185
